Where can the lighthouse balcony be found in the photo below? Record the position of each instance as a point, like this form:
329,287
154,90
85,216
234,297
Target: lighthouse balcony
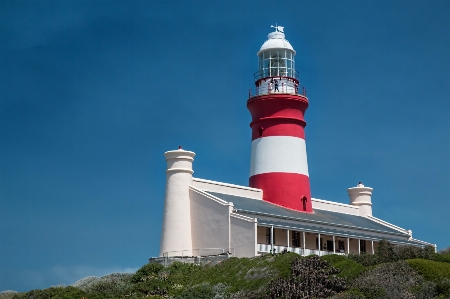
277,85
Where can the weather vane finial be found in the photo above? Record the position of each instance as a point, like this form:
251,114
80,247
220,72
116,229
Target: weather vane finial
278,28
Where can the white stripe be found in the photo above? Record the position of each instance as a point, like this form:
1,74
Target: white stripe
278,154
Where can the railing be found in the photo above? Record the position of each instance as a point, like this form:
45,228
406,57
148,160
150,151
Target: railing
199,252
266,248
277,73
282,86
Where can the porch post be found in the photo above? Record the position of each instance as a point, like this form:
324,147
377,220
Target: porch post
334,245
304,243
373,250
359,246
271,238
287,237
348,245
318,243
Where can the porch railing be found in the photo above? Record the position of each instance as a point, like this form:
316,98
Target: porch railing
284,86
266,248
199,252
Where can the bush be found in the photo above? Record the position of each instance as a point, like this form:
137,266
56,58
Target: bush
203,291
366,260
50,293
146,271
311,277
430,270
385,252
8,294
389,280
443,256
349,269
443,286
351,294
112,285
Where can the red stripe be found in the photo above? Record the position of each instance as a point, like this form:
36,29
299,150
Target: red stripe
274,128
278,115
284,189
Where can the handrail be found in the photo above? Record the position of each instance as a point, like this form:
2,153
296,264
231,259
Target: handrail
283,87
199,252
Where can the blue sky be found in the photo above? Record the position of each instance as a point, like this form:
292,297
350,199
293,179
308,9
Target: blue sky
93,93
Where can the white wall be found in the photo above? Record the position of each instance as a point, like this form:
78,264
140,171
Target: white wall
210,221
243,235
334,206
224,188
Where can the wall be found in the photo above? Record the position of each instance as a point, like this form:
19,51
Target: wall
310,240
334,206
280,236
210,221
261,235
353,245
243,235
224,188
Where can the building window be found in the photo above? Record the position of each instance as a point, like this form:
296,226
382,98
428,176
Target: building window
267,235
362,246
296,239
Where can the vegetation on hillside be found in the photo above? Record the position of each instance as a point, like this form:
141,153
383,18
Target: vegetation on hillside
393,272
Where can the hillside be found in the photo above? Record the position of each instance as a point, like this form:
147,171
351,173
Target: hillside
393,272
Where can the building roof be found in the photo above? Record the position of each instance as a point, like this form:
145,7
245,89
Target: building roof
318,222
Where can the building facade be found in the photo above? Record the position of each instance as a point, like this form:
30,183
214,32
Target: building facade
276,212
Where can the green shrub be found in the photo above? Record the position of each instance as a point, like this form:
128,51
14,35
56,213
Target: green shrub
52,293
350,294
334,258
146,271
385,252
151,287
443,286
349,269
311,277
7,294
443,256
431,270
203,291
366,260
389,280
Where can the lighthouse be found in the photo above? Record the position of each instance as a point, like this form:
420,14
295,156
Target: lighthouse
277,103
206,221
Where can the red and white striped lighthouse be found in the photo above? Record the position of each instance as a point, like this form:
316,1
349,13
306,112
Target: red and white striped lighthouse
277,103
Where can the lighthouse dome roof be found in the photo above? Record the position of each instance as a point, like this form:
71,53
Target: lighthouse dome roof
276,40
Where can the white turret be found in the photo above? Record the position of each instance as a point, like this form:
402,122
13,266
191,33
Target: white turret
362,197
176,227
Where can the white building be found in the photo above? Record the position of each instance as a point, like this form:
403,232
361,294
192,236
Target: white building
277,212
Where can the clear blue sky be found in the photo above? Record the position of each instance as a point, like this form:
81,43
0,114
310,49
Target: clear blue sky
93,93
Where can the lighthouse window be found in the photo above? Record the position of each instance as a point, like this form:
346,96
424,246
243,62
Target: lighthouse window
276,62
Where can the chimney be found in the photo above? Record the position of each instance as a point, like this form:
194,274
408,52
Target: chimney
361,197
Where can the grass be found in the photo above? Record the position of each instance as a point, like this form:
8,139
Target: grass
251,278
